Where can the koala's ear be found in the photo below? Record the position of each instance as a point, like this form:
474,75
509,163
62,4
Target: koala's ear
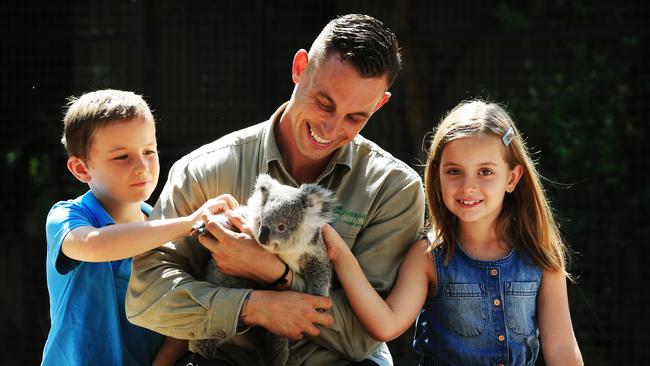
314,196
263,185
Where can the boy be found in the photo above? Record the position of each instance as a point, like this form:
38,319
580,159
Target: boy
110,137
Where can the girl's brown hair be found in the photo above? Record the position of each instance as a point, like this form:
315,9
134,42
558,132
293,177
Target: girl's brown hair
526,220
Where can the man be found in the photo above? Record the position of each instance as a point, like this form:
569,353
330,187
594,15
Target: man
339,84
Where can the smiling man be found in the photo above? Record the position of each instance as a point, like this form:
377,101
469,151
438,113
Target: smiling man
314,137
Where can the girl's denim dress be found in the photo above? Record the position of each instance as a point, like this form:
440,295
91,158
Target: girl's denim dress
482,314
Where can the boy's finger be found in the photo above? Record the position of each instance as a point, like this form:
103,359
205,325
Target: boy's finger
213,208
230,201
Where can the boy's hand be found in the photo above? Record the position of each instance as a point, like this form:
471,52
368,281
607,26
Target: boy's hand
214,206
336,246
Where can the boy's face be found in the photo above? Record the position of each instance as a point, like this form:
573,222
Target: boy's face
122,164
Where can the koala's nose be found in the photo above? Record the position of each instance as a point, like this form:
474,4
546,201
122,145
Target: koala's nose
263,235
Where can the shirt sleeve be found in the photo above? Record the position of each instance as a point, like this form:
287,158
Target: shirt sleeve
164,294
62,219
379,249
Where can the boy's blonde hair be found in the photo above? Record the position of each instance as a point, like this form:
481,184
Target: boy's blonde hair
95,109
526,220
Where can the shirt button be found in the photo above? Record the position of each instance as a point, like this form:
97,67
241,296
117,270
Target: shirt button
501,338
220,334
494,272
497,302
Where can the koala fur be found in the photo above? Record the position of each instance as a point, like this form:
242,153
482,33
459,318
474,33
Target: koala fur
287,222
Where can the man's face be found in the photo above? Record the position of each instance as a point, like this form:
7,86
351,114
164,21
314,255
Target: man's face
330,104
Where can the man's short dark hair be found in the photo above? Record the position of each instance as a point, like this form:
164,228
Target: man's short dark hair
362,40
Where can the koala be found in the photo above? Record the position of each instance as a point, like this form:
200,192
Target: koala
287,222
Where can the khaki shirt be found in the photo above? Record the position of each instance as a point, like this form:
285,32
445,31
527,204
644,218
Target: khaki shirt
380,213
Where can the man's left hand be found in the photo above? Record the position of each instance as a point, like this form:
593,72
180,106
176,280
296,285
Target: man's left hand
238,254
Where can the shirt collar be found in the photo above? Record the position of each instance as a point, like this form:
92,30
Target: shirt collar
271,150
102,217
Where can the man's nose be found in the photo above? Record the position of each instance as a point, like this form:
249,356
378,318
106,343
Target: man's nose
331,125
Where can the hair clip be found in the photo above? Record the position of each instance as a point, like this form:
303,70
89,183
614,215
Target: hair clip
508,136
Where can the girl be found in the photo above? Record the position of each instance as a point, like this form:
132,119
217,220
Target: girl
493,265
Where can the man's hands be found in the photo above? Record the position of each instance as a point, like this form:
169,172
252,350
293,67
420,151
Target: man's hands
238,254
286,313
289,314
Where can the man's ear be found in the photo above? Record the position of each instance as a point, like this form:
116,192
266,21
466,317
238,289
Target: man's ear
78,168
300,62
382,101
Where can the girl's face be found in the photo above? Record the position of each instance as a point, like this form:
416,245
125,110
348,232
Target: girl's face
475,177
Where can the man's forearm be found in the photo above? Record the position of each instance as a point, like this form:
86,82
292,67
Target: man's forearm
169,301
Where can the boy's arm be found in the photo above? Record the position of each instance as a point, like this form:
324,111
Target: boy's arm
170,351
384,320
119,241
559,344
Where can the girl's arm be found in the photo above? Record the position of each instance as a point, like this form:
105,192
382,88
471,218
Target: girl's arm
170,351
121,241
384,320
559,345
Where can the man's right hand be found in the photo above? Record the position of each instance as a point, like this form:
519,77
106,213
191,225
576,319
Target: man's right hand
287,313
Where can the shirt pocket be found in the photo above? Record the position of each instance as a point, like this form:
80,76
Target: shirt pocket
466,308
520,306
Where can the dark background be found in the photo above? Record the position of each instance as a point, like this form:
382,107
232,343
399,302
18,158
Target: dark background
573,74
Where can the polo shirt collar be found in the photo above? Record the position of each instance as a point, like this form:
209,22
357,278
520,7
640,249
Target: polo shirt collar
101,216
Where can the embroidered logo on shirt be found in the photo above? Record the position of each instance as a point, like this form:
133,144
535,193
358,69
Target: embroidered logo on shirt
349,217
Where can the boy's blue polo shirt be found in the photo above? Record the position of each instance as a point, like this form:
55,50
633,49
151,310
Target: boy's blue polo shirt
89,325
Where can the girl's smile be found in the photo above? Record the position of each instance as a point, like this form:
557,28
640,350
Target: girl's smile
469,203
